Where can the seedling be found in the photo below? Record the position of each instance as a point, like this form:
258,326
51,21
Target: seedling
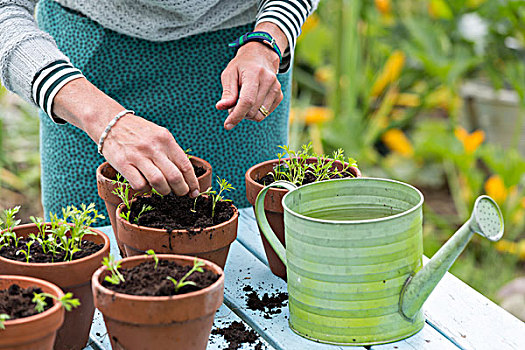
197,267
60,234
3,318
7,223
145,209
113,266
150,252
216,197
27,253
67,301
297,167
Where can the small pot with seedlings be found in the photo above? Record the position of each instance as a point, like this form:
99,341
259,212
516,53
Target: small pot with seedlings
108,180
158,301
204,226
31,312
65,251
300,168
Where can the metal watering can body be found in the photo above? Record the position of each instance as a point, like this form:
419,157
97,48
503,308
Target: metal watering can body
353,255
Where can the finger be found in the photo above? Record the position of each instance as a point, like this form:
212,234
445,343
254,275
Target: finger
177,156
278,96
154,176
247,97
173,175
230,89
271,101
267,80
135,178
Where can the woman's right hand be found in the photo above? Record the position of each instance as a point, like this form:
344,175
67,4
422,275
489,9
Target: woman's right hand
146,154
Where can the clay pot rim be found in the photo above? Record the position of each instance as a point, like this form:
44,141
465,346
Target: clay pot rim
163,231
63,263
56,291
201,162
95,279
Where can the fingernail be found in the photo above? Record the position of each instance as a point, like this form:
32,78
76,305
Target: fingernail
195,194
228,126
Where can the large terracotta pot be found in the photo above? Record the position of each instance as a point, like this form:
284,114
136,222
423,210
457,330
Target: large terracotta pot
106,175
211,243
35,332
143,322
73,276
273,207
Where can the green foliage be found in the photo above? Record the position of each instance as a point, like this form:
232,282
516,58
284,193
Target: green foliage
296,167
3,318
216,196
197,267
113,266
60,234
67,301
151,252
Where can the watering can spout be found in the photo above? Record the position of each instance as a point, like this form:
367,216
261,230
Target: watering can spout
486,220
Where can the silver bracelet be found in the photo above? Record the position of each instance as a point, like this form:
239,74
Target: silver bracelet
108,128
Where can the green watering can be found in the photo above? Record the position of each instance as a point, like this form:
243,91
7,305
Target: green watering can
353,256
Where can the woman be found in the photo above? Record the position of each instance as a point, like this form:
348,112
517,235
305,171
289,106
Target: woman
89,63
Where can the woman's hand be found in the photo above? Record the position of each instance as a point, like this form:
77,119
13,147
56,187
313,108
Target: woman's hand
144,153
250,79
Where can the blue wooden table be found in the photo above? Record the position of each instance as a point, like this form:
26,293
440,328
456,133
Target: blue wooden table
457,317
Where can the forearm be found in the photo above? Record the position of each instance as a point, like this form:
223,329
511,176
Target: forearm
83,105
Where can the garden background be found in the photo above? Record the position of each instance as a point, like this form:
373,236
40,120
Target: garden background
427,92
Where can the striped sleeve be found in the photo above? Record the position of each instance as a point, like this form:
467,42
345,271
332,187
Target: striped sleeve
48,81
289,16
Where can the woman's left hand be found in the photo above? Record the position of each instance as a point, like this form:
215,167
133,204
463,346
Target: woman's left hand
249,82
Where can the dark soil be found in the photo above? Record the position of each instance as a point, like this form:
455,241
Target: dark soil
17,302
199,171
145,280
38,255
236,334
176,213
268,304
308,179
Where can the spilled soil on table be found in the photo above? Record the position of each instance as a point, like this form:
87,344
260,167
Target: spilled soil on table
237,334
147,280
269,304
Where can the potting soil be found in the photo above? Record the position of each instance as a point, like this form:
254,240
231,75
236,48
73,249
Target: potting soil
146,280
17,302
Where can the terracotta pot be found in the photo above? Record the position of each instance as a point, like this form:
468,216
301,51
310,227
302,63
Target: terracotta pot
211,243
143,322
106,175
273,207
74,277
35,332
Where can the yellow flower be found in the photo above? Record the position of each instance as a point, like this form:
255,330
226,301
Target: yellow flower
495,188
324,74
470,142
440,9
311,115
383,6
397,141
310,24
408,100
390,73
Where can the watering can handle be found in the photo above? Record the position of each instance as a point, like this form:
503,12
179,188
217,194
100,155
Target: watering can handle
263,222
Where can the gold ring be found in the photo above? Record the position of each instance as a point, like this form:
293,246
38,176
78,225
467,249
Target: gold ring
264,111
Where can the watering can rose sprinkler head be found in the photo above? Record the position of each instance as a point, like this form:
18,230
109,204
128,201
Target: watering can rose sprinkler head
486,220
